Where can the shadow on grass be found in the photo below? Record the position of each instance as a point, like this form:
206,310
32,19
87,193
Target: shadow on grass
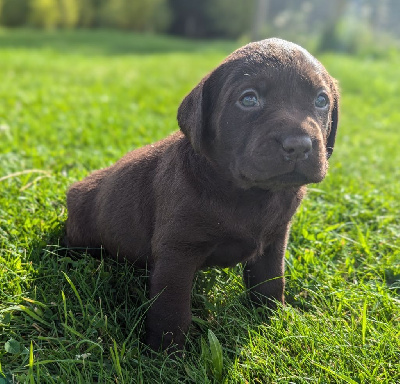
85,316
107,42
77,308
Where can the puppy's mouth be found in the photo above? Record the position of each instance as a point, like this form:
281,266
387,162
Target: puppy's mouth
293,176
250,174
293,179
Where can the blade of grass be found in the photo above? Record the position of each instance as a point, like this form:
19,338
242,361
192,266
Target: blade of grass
32,314
216,354
364,322
116,360
65,308
337,374
76,294
31,378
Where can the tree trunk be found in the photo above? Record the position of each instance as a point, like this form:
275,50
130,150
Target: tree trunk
260,19
328,39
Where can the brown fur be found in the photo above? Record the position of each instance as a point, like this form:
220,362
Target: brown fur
220,192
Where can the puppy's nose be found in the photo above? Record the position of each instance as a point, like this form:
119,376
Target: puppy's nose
296,147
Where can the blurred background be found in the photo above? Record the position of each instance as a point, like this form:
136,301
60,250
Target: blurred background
350,26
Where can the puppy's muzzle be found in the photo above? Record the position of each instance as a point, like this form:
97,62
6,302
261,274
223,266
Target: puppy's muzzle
296,148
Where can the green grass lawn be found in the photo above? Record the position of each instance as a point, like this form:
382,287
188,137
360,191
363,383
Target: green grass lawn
73,102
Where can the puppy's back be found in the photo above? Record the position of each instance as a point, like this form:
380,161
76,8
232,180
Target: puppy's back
114,207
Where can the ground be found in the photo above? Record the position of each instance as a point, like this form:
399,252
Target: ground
72,102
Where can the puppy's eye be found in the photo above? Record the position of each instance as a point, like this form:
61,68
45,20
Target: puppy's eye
249,100
322,100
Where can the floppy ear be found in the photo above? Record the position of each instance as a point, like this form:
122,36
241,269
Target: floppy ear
330,142
191,118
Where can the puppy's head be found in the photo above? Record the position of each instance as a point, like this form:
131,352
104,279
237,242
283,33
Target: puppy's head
267,116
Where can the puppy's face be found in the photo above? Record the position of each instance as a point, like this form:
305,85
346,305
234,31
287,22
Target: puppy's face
267,116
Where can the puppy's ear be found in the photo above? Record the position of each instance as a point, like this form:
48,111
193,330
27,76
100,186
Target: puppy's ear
191,117
330,142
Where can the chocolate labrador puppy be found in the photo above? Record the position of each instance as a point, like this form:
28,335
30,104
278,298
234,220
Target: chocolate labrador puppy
221,191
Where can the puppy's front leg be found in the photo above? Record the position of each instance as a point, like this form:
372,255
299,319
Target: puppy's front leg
264,277
169,316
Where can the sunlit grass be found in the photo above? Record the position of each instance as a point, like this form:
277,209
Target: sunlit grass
74,102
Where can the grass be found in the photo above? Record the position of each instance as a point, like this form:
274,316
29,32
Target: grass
73,102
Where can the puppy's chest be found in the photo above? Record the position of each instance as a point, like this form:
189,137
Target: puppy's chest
230,251
243,231
260,218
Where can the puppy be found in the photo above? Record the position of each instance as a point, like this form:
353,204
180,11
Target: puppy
220,191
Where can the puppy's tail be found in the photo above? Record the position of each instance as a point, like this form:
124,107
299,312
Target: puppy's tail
81,223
